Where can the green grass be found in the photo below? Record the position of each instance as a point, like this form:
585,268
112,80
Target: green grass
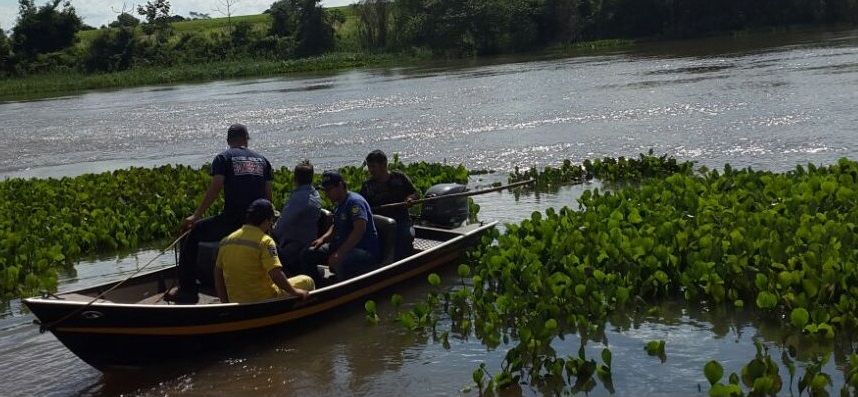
259,22
59,84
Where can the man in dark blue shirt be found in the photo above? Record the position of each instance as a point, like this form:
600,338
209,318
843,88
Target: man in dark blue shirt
298,224
244,176
350,247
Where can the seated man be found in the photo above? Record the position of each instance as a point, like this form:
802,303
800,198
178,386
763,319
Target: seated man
247,268
298,224
350,247
388,187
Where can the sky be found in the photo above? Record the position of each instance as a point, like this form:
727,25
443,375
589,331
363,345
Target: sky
101,12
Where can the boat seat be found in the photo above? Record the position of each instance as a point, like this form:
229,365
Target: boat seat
206,259
386,228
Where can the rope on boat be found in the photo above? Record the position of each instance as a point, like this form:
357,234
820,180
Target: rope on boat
51,325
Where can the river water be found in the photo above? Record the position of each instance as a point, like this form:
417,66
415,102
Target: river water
766,101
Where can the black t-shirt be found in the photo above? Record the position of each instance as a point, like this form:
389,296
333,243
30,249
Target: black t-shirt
245,173
397,188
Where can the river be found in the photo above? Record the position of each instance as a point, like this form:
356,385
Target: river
769,102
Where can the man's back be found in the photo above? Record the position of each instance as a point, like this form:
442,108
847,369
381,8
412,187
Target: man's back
299,220
246,256
245,174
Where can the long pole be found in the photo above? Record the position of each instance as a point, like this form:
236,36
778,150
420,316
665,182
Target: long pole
48,326
454,195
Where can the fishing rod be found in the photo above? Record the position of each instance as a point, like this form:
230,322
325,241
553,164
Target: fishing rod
454,195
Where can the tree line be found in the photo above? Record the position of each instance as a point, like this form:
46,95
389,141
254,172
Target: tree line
44,38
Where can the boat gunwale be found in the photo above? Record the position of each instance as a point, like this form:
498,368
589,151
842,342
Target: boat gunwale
42,301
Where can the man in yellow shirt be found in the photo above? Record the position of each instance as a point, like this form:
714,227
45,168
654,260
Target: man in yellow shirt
248,269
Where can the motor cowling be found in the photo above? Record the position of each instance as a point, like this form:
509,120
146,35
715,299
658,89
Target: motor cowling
445,213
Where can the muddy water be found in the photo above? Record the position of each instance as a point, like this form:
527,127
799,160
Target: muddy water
770,102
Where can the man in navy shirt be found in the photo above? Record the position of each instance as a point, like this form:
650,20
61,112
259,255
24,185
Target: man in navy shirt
298,224
388,187
350,247
244,176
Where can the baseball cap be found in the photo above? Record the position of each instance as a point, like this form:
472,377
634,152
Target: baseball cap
330,178
236,130
261,207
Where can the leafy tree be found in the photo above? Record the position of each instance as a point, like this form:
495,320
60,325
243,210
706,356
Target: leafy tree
5,52
45,29
304,21
336,17
111,50
124,20
315,34
284,17
373,19
157,15
199,15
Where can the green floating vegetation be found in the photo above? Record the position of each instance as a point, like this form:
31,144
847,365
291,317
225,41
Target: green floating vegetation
784,242
50,223
620,171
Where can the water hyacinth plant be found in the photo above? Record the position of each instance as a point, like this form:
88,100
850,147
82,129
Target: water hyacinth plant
782,242
46,224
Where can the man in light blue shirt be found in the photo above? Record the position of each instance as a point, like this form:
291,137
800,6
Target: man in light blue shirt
298,222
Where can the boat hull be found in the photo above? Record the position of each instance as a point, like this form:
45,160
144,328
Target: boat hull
110,335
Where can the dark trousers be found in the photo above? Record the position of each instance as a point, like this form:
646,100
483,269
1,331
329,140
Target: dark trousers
290,257
212,228
356,262
404,239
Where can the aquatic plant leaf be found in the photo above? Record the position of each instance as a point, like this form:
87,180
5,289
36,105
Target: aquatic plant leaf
766,300
799,317
713,371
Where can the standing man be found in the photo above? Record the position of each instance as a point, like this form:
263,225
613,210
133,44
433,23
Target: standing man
386,187
244,176
350,247
298,224
247,268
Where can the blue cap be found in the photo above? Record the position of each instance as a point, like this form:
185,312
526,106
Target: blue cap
261,207
330,178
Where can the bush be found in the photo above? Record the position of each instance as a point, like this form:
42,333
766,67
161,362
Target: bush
111,51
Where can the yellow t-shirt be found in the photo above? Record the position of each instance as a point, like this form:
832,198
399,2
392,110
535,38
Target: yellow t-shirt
246,256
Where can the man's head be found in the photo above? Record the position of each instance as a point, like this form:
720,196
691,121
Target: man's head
237,135
376,164
303,173
261,214
334,186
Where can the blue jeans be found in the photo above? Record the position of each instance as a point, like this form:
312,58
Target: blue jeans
290,256
354,263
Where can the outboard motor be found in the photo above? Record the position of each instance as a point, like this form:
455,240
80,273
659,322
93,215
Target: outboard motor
445,213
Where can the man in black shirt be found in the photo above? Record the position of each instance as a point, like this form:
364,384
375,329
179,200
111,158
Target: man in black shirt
244,176
386,187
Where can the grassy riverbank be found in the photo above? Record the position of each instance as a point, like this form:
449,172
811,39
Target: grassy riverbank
61,84
348,55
